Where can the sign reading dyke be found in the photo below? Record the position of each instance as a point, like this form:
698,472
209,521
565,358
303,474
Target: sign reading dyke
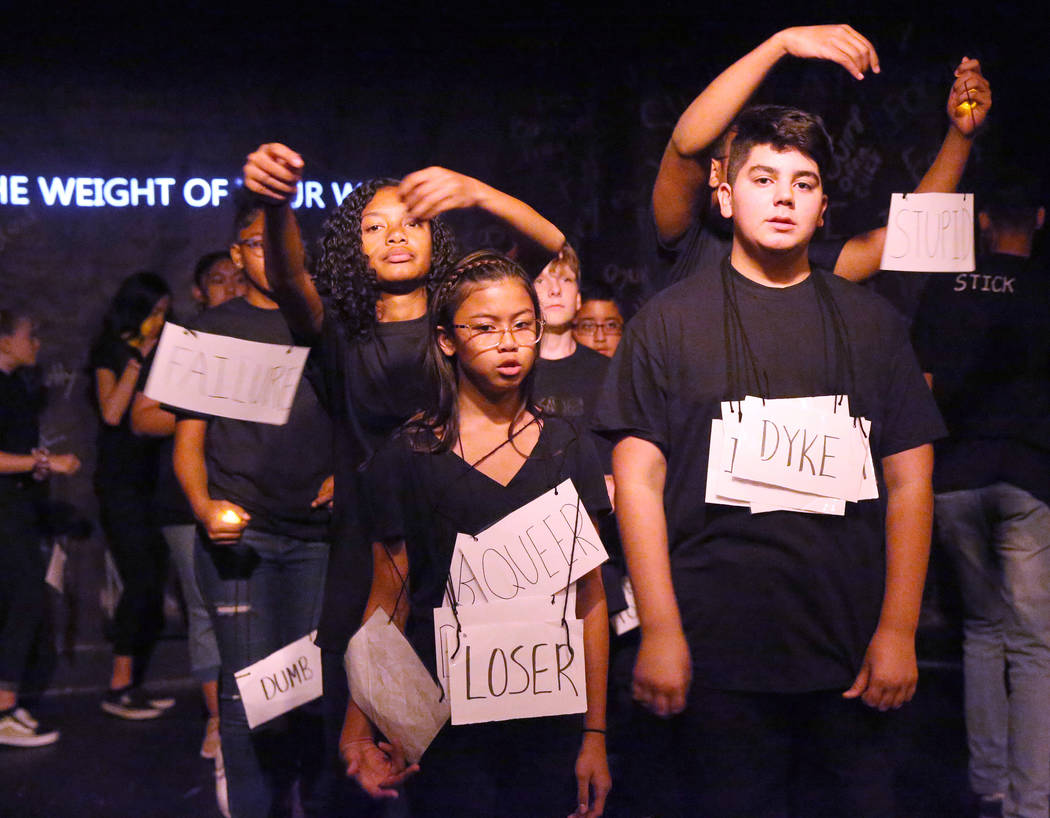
223,376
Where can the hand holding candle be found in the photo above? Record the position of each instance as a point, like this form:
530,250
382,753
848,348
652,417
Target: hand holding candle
224,521
970,98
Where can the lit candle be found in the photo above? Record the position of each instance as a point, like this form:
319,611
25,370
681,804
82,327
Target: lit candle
230,516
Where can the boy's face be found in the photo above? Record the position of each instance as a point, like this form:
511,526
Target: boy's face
224,281
22,345
559,294
247,252
599,325
776,201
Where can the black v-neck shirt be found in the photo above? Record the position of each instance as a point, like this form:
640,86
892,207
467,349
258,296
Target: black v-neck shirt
427,499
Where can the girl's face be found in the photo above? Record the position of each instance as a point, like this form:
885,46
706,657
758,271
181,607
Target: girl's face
493,336
22,345
154,322
396,244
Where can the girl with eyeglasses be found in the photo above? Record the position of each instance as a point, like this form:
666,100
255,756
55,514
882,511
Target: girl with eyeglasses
480,450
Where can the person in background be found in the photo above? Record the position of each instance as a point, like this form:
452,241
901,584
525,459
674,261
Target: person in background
984,340
23,465
125,477
216,280
599,321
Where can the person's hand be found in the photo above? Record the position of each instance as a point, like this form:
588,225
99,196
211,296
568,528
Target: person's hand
429,192
593,780
378,768
325,494
663,672
144,344
970,99
890,673
63,463
223,521
272,172
840,44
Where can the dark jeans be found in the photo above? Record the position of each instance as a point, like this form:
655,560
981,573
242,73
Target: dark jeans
141,557
263,593
22,589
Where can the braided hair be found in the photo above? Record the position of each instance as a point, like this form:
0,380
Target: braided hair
436,429
343,274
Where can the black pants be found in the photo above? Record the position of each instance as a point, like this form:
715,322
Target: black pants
774,755
141,556
22,589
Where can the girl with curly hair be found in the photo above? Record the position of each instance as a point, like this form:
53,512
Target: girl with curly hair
381,253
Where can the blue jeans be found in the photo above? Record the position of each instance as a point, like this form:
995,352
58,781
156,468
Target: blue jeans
204,651
263,593
998,538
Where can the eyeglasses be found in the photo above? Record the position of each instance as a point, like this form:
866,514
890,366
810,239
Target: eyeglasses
254,244
489,336
589,327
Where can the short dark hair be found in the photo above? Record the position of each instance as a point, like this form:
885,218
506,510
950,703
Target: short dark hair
782,128
247,208
9,321
1011,198
205,263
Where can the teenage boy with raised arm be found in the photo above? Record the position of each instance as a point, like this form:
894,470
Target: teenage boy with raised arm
773,639
694,162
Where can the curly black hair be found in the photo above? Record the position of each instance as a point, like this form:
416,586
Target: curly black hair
342,272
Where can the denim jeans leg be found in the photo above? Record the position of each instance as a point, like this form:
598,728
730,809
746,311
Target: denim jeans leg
1023,543
204,651
965,535
263,593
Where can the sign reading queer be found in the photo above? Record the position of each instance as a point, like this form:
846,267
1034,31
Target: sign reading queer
515,670
223,376
929,233
281,682
530,551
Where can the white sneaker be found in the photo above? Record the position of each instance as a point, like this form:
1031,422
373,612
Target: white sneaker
222,797
17,731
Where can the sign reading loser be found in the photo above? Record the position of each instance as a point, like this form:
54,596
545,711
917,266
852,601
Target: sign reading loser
929,233
223,376
281,682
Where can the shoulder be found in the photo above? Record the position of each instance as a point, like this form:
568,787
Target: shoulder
862,304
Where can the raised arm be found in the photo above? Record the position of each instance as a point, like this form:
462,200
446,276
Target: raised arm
683,178
433,191
114,393
272,172
663,669
861,257
889,674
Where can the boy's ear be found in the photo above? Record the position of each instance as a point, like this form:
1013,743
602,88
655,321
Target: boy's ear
1040,218
725,200
985,221
714,176
198,294
823,210
237,255
445,342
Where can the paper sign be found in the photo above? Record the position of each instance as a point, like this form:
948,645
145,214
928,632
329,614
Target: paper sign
517,670
223,376
528,552
56,568
281,682
523,609
929,233
392,686
627,619
783,443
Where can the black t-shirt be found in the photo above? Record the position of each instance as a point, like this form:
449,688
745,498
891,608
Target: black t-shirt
569,386
427,499
273,472
985,337
781,601
123,458
372,387
706,243
19,430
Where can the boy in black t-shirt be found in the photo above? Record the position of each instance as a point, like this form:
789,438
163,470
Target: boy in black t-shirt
760,631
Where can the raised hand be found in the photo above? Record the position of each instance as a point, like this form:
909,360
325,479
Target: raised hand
432,191
272,172
840,44
970,99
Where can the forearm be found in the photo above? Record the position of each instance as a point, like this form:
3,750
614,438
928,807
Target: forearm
643,532
115,394
592,608
521,217
909,522
190,468
16,463
947,169
389,589
286,271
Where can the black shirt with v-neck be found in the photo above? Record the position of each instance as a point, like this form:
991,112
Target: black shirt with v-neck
427,499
